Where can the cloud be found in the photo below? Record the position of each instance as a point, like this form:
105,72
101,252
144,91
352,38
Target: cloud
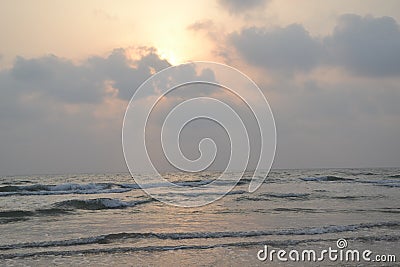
239,6
61,116
82,83
366,45
341,100
127,74
58,116
55,77
290,48
341,124
201,25
101,13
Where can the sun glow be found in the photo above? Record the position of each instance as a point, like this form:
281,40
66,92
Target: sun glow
170,57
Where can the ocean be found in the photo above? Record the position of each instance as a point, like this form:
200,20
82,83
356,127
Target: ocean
108,220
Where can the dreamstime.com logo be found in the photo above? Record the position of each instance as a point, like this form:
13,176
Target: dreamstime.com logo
338,254
155,99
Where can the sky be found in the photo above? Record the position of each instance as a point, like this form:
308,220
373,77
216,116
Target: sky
330,71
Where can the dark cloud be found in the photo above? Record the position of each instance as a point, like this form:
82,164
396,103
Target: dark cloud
58,116
319,119
82,83
366,45
290,48
126,74
55,77
240,6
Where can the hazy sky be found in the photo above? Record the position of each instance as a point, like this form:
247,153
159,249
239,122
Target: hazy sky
329,69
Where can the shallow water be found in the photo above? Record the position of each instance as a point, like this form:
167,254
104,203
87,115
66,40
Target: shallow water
107,219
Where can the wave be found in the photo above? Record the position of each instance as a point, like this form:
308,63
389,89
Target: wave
125,249
366,173
271,196
100,203
302,196
395,176
328,178
112,238
304,210
90,188
155,185
62,189
15,213
67,206
9,216
386,210
299,210
390,185
286,195
205,193
353,197
385,182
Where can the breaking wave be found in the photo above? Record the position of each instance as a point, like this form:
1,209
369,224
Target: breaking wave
90,188
99,203
62,189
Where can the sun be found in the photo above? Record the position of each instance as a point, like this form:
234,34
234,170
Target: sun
169,56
